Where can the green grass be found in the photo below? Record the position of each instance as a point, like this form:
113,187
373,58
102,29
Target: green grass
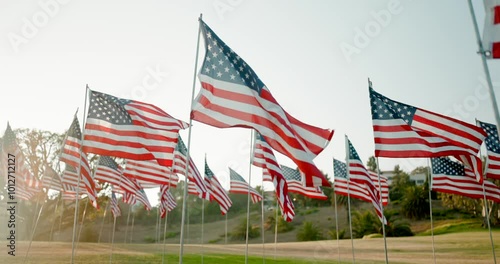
455,227
188,259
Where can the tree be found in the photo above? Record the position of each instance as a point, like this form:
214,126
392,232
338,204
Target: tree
371,164
400,182
309,232
415,203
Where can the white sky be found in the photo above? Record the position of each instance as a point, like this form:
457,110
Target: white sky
424,55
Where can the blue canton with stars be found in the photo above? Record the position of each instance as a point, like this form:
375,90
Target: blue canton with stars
339,169
447,167
291,174
353,155
492,143
9,139
222,63
108,108
108,162
234,176
208,171
181,147
74,130
385,108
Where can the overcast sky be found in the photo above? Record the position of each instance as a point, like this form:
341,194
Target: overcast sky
314,56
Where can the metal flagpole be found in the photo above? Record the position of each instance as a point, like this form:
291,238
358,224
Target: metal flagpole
188,236
157,226
262,225
102,223
337,225
126,226
53,222
132,229
485,66
349,195
166,219
202,223
429,181
276,228
382,210
81,226
181,253
112,240
248,196
225,237
78,171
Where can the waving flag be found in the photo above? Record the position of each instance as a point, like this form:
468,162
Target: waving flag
343,186
493,150
358,173
194,175
217,193
51,179
73,156
385,186
491,33
452,177
130,129
232,95
295,184
150,174
404,131
167,201
109,171
238,185
22,172
263,157
115,208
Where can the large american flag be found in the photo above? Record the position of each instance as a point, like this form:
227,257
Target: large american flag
493,150
149,173
217,193
238,185
193,172
115,208
452,177
136,196
263,157
22,172
130,129
232,95
73,155
70,179
296,184
491,32
404,131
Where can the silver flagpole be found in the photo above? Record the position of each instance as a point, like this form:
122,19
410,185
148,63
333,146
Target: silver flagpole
382,210
276,228
202,222
225,237
78,171
128,219
248,195
112,239
102,223
81,226
132,229
53,222
485,66
181,251
429,181
349,196
336,224
166,219
262,225
157,226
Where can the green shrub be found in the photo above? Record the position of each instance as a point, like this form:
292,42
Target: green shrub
149,239
332,233
239,233
309,232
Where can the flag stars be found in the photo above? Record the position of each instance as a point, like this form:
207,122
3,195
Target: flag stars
219,74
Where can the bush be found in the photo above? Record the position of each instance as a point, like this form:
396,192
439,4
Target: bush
239,233
149,239
88,235
333,233
309,232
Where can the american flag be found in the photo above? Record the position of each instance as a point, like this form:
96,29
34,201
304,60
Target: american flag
264,158
452,177
493,150
167,201
115,208
404,131
109,171
193,173
358,173
238,185
68,195
232,95
51,179
149,173
73,156
491,33
385,186
22,173
217,193
192,189
136,196
296,185
70,179
130,129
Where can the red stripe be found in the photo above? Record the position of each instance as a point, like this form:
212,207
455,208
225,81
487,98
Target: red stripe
496,15
125,133
495,50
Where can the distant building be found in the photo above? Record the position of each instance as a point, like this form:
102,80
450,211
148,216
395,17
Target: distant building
418,179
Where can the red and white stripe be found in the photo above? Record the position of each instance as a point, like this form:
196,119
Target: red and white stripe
193,174
385,186
167,201
217,193
491,32
344,187
149,173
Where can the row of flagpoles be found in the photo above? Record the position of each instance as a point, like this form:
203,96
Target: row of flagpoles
232,95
